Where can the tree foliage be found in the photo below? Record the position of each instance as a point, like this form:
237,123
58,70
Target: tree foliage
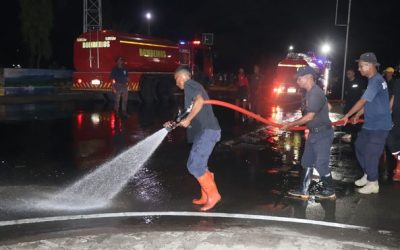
36,25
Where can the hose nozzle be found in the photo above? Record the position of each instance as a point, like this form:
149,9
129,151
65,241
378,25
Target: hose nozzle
171,125
182,114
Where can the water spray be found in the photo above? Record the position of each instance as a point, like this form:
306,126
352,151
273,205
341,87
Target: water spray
99,187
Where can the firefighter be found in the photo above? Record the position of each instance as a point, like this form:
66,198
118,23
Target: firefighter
375,106
318,144
354,88
243,84
119,78
391,81
204,132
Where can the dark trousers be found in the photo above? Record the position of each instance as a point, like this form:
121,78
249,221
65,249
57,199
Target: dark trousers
121,94
317,151
393,140
369,147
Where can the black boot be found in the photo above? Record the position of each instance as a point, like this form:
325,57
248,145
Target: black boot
302,192
328,189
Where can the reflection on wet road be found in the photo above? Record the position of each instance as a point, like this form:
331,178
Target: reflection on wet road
254,165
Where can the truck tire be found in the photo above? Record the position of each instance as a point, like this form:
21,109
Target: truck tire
147,89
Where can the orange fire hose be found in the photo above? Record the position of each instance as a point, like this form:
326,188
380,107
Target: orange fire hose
261,119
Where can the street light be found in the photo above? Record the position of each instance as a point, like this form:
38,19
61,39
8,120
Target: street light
148,17
291,48
326,49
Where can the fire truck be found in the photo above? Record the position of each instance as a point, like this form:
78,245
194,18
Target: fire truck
284,83
150,61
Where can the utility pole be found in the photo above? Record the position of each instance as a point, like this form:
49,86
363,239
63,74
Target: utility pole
347,25
92,17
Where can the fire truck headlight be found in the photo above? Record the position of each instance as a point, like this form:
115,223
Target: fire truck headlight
79,81
291,90
95,117
95,82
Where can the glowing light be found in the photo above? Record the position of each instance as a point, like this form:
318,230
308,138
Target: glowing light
291,90
110,38
279,90
79,120
95,82
96,44
79,81
182,42
95,117
196,42
112,123
291,48
326,49
148,16
291,65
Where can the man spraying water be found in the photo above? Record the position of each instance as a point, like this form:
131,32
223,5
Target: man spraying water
204,131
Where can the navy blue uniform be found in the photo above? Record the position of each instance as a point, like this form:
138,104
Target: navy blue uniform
318,144
120,76
377,124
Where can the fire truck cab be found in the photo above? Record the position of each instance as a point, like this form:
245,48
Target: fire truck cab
284,83
150,61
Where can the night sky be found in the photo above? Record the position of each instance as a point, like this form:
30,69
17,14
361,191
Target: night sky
246,32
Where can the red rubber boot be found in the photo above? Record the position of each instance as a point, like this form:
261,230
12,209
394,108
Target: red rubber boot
210,188
203,199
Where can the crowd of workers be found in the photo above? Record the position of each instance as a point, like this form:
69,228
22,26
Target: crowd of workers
378,103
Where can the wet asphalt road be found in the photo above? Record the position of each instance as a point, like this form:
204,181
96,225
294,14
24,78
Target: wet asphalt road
46,146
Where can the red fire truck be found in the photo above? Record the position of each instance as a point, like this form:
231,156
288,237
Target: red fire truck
150,62
284,84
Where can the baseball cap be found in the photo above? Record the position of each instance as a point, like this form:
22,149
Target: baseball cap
389,70
305,71
369,57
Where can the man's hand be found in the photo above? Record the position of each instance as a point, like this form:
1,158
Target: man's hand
285,127
170,125
345,120
184,123
355,118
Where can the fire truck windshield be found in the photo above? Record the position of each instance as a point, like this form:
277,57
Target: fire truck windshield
286,75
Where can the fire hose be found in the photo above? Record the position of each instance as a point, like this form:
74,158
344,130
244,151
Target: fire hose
263,120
